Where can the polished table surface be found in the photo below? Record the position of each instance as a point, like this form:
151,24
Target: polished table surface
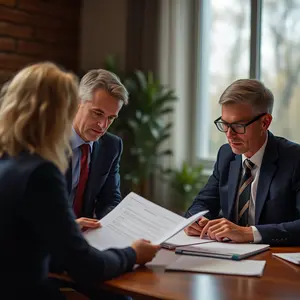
280,280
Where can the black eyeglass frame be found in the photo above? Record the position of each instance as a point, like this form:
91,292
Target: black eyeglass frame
229,125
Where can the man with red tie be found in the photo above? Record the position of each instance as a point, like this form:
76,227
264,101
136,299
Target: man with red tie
93,177
253,194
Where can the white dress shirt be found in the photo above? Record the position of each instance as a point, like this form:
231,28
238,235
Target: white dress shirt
257,160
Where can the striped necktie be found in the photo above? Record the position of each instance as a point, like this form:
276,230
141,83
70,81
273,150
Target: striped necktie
245,193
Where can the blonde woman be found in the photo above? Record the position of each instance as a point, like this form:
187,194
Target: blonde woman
36,114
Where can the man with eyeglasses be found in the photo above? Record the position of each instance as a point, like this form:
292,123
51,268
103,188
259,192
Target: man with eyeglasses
253,194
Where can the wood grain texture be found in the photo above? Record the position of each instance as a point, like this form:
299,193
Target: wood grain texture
281,280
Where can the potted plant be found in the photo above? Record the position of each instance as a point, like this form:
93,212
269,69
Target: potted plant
144,127
186,183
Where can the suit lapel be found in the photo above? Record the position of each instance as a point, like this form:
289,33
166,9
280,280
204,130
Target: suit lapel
97,155
233,182
267,172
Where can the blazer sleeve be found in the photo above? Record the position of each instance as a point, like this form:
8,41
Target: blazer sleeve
110,195
46,209
286,233
209,197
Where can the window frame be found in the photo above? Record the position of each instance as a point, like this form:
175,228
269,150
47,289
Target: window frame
203,65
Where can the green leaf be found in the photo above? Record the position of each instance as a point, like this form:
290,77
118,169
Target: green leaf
165,152
166,110
141,79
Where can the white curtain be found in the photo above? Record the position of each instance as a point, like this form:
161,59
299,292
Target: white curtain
177,67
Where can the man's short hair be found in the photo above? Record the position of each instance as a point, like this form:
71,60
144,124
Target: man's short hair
102,79
249,91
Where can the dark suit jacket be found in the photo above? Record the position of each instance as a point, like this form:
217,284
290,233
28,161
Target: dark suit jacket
36,221
102,191
277,205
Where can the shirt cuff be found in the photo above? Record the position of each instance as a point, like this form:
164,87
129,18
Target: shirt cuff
256,235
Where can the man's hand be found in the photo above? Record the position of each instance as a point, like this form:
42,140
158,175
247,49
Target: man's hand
144,250
87,223
220,229
197,227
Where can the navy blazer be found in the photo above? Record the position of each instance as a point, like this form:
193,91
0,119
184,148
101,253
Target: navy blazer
36,221
102,191
277,204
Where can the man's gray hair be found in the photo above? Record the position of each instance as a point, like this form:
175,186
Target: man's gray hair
102,79
250,91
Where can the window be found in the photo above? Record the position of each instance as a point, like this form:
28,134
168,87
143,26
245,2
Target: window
280,63
224,57
248,39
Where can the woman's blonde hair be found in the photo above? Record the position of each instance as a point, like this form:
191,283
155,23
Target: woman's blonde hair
36,113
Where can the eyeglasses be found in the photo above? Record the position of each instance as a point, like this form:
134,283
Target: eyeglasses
236,127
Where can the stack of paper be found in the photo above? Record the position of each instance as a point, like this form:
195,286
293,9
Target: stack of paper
218,266
227,250
291,257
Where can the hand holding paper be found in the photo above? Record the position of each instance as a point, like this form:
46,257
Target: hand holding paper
137,218
145,251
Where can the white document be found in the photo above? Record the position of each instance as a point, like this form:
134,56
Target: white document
137,218
163,258
291,257
181,239
218,266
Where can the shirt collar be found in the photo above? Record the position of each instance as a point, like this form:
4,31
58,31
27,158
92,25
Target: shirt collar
258,156
77,141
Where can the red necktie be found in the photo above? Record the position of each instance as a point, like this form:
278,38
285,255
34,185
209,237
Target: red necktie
84,173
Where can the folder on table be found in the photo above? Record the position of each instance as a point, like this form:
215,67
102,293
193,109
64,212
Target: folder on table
228,250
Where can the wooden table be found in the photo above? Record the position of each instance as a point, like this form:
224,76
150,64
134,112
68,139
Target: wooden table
281,280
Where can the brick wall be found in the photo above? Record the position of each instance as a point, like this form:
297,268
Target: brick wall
37,30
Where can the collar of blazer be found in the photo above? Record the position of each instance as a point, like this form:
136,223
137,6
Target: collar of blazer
267,171
95,154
